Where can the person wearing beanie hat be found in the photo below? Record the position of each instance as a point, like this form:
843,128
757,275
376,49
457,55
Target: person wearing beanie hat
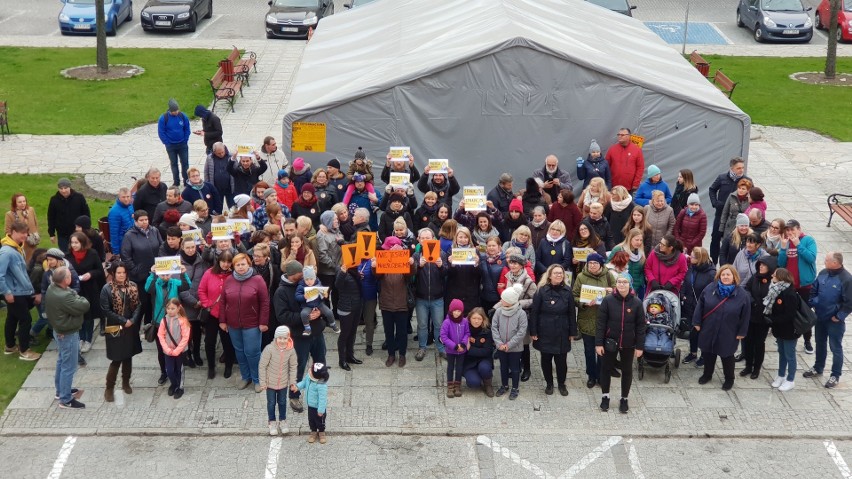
455,333
691,224
310,300
284,189
514,219
187,221
300,173
736,203
360,169
595,258
742,219
277,373
241,201
654,182
55,253
307,205
173,130
64,207
518,271
593,166
593,274
334,163
552,178
508,328
315,387
211,127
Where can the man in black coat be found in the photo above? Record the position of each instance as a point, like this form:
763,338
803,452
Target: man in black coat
65,207
720,190
211,127
288,312
152,193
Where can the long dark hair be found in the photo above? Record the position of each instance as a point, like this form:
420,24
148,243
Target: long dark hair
223,256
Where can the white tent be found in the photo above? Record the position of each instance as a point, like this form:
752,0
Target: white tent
496,85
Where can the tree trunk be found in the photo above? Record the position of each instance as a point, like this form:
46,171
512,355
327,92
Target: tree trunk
831,54
103,57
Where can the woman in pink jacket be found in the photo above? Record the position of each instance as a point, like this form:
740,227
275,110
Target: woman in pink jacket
210,297
174,335
666,265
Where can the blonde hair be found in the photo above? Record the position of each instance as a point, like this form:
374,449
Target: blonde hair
262,248
462,230
701,255
737,238
199,205
619,191
545,278
632,233
596,207
338,208
431,195
494,239
486,323
304,222
559,226
523,229
657,194
192,170
448,229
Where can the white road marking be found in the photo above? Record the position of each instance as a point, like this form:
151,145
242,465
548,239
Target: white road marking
838,459
634,461
207,24
474,463
272,459
719,31
823,35
128,30
591,457
508,454
62,458
20,12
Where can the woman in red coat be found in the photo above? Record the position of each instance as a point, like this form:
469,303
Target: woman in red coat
691,224
666,266
566,210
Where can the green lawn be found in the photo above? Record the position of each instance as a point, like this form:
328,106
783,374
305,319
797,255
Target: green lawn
15,371
42,102
766,92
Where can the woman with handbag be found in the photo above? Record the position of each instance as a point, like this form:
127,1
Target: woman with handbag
23,212
195,268
620,329
210,295
119,301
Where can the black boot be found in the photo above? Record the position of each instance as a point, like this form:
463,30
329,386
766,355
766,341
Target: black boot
126,371
229,368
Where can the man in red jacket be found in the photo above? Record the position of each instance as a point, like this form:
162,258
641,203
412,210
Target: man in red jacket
626,162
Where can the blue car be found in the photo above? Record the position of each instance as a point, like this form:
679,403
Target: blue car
78,16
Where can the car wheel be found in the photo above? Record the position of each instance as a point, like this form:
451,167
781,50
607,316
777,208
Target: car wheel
111,31
269,35
817,22
758,33
209,10
839,34
193,22
130,13
740,20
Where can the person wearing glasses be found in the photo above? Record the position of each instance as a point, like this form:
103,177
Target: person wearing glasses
626,162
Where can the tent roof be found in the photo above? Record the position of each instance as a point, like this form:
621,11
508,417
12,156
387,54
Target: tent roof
390,42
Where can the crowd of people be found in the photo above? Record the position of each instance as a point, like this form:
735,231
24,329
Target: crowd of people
539,251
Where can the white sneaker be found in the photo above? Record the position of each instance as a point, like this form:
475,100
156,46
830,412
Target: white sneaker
282,428
778,381
787,385
86,347
273,428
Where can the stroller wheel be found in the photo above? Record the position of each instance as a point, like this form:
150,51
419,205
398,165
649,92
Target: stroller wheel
668,374
677,358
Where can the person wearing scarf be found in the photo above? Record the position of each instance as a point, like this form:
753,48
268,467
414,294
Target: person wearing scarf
721,316
774,237
119,301
491,262
618,212
722,186
754,344
195,268
244,315
666,265
484,229
198,189
306,205
328,253
780,306
517,273
746,260
277,369
554,249
691,224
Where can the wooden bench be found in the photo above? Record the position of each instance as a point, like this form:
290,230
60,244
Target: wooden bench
225,90
702,65
242,66
724,83
4,120
840,206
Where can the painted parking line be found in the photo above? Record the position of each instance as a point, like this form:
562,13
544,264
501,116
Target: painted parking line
721,33
512,456
633,457
200,30
591,457
128,30
838,459
272,459
62,458
20,12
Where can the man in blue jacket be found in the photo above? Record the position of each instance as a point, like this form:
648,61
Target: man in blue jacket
831,298
18,292
174,132
120,218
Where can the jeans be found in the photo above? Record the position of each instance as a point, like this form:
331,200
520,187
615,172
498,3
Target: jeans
832,333
18,317
313,346
247,348
429,309
547,361
174,370
276,397
68,346
608,363
88,328
178,151
787,358
475,376
754,345
455,367
396,331
640,291
510,365
593,361
41,322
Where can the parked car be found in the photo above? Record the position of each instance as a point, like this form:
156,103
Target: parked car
620,6
293,18
357,3
776,20
78,16
844,19
174,15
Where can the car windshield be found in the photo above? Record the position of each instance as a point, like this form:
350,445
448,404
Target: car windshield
296,3
783,5
86,2
358,3
610,4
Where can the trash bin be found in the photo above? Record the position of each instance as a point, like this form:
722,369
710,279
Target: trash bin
703,68
103,226
227,67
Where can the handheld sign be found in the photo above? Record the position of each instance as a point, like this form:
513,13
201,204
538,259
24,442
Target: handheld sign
348,253
474,190
197,235
392,262
222,231
637,140
462,256
474,204
580,254
439,166
240,225
315,292
589,293
400,153
400,180
166,265
366,242
431,250
245,149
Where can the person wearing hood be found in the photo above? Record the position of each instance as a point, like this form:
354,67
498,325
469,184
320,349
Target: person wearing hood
84,225
554,248
551,178
553,323
306,205
593,274
211,127
754,344
198,189
246,172
120,219
173,130
216,172
455,336
691,224
746,260
619,332
701,273
594,166
300,173
444,185
508,328
328,252
618,211
395,210
654,182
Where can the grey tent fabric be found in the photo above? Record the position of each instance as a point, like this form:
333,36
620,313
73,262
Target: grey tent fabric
497,85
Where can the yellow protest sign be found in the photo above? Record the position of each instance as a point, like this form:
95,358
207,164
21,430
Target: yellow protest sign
245,149
240,225
462,256
348,254
473,190
400,153
308,136
438,166
431,250
197,235
474,203
166,265
580,254
393,262
399,179
366,245
590,293
222,231
638,140
315,292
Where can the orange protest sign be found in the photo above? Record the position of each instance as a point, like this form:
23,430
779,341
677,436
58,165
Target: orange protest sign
392,262
349,252
431,250
638,140
366,242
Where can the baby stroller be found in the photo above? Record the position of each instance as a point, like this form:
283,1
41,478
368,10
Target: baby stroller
661,335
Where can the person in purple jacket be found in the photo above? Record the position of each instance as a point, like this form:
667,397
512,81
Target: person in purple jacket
455,333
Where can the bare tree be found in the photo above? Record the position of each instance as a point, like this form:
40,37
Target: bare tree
831,55
102,55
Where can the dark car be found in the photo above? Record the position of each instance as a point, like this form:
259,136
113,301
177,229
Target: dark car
621,6
293,18
170,15
776,20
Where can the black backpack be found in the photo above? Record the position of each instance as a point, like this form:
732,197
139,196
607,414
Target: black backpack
804,319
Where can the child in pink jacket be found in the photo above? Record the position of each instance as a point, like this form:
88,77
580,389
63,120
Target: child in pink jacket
173,337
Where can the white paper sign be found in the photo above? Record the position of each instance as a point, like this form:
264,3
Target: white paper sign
439,166
315,292
400,153
167,265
